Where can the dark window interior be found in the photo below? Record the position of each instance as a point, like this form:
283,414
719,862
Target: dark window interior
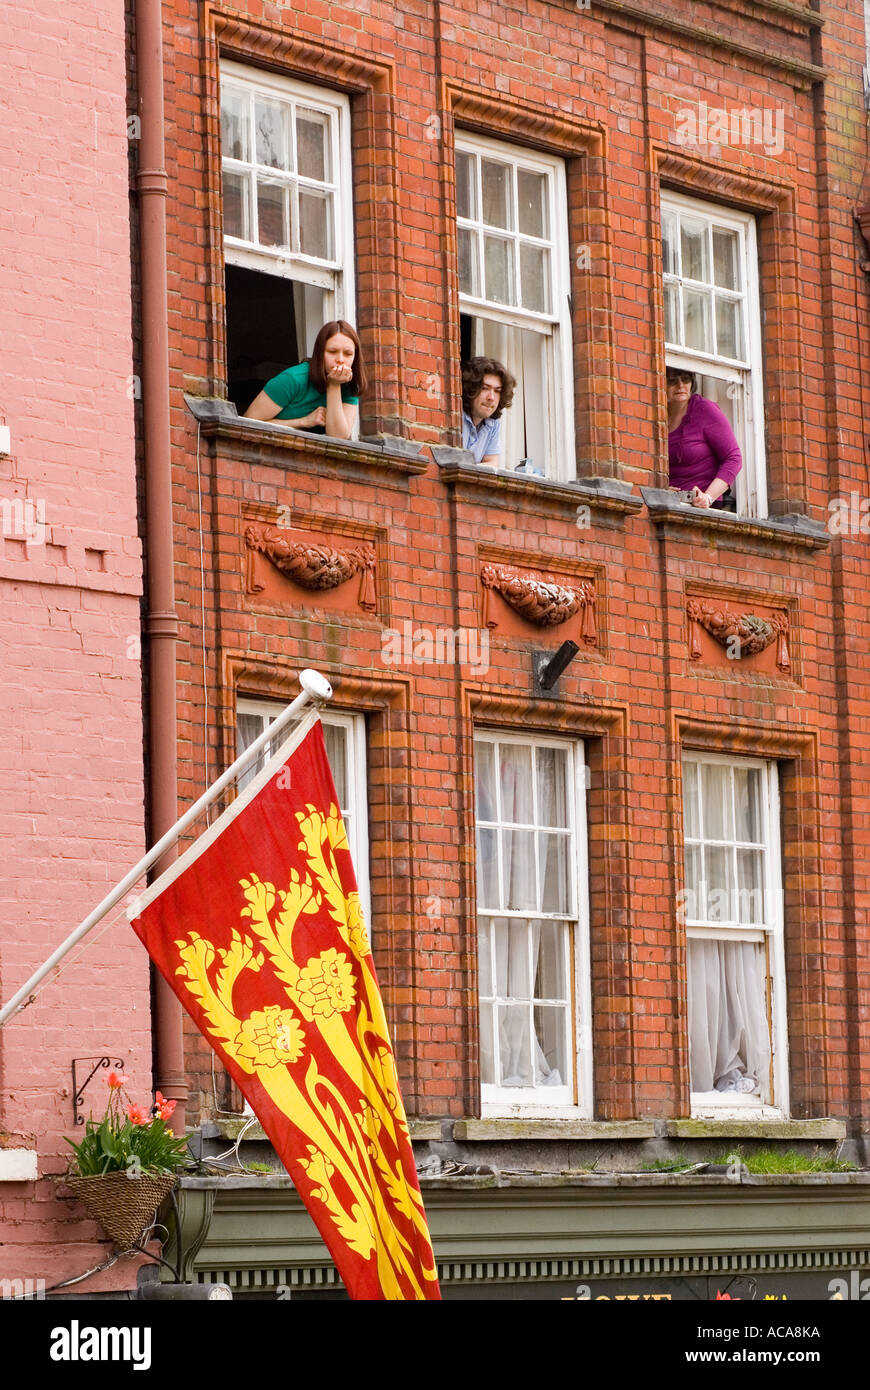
261,331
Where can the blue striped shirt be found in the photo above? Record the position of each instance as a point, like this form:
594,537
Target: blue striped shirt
482,440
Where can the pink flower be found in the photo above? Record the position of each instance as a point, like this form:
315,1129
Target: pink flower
115,1082
162,1108
136,1115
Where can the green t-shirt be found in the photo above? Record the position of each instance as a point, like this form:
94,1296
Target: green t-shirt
293,391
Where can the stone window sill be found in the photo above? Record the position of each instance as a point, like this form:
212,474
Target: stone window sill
537,1129
793,529
603,496
756,1129
231,1126
296,449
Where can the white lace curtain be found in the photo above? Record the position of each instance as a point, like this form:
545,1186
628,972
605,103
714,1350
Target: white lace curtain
729,1039
516,965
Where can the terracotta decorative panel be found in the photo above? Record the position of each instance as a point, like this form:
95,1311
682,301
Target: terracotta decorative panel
287,568
519,603
740,634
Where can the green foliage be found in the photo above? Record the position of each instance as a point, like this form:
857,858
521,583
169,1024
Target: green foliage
133,1143
790,1161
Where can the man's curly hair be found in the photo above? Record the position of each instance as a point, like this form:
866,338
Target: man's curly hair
473,373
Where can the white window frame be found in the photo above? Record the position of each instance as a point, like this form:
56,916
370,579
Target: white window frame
335,276
558,408
743,375
728,1105
357,783
575,1100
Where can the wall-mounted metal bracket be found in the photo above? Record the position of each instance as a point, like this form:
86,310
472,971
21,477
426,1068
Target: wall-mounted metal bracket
79,1090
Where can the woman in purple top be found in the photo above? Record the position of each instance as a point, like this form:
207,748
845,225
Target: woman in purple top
703,454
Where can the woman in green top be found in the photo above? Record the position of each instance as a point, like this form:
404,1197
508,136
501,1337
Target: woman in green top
322,394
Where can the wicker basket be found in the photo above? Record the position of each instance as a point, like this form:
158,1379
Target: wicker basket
124,1206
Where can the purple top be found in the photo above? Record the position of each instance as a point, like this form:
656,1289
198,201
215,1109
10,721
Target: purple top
702,447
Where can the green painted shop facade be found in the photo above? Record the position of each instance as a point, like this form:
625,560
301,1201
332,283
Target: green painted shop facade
510,1232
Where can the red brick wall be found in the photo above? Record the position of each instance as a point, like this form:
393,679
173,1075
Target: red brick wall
601,87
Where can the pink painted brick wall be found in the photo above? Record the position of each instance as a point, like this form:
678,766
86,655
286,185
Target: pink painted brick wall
71,776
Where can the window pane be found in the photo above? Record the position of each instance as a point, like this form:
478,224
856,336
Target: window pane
693,244
248,729
669,243
697,330
271,128
691,825
469,280
484,780
729,1038
672,314
487,868
719,863
518,847
716,795
516,783
553,867
727,395
747,802
551,765
484,959
498,257
497,191
535,276
234,124
312,145
729,339
551,977
551,1059
315,224
511,944
695,905
335,738
236,212
466,185
514,1045
532,196
271,213
750,887
726,266
487,1057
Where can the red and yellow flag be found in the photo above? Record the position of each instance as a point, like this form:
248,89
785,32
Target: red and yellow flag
258,929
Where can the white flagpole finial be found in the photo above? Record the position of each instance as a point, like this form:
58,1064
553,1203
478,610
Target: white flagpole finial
315,685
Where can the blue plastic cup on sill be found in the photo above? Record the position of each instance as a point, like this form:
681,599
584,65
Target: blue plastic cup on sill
528,466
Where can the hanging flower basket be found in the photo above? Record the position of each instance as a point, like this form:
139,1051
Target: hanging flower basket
123,1205
126,1164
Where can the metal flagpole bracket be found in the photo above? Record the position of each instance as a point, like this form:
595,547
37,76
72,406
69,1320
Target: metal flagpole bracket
79,1090
315,690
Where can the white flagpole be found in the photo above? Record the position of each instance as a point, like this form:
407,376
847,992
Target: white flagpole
315,689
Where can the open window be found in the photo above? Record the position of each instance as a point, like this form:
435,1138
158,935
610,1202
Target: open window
512,231
732,911
713,326
533,973
288,229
